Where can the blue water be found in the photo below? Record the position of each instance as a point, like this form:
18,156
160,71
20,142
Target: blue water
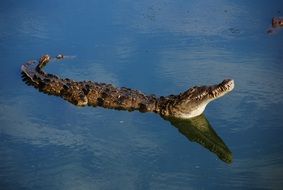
159,47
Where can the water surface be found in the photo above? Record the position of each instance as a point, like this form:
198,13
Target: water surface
158,47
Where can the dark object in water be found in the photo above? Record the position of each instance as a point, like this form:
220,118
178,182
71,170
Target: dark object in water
277,22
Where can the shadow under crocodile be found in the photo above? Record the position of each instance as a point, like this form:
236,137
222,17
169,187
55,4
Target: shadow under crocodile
198,129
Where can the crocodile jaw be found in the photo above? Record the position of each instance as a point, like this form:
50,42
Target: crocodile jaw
196,112
194,101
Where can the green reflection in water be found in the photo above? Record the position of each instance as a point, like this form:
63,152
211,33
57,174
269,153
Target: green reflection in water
199,130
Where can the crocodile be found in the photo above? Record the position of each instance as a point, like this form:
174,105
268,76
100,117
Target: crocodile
188,104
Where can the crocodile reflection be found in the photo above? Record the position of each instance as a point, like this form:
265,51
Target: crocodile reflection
198,129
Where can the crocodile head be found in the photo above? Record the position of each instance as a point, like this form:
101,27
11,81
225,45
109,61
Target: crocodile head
192,102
